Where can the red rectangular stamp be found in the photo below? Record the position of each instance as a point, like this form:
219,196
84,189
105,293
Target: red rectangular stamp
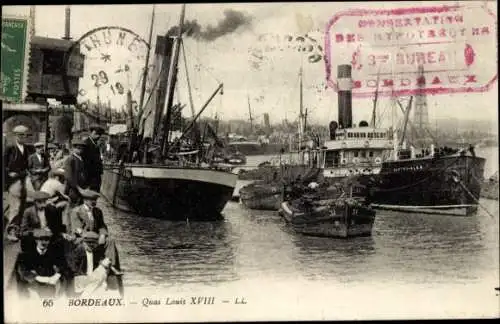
455,46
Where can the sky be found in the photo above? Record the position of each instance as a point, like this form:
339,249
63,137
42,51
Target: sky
251,54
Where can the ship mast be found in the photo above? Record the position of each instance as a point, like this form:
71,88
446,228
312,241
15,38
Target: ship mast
301,118
167,109
405,121
250,115
146,64
197,131
375,102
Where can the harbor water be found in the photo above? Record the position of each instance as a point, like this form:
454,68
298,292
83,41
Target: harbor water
413,266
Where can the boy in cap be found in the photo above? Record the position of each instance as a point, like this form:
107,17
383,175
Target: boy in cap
39,271
92,158
38,166
74,172
16,182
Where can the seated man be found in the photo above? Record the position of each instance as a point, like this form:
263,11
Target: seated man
40,215
89,266
87,217
39,271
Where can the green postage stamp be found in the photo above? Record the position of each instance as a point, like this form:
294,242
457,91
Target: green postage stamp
15,54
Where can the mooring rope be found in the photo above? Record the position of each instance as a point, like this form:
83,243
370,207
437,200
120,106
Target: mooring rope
473,197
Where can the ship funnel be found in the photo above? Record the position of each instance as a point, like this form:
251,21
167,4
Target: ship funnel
344,82
333,129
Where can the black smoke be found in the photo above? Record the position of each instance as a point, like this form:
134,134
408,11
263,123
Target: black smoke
232,20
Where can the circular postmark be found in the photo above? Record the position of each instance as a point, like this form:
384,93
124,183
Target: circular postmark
109,62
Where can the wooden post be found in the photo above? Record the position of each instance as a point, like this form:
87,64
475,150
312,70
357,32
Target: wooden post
47,114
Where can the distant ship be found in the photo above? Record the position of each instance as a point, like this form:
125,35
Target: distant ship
251,148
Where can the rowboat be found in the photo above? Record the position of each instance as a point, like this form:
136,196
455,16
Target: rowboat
339,217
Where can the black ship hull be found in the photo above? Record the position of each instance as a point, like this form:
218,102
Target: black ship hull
170,193
437,185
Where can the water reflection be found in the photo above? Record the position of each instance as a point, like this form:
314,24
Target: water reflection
404,249
434,248
165,253
332,258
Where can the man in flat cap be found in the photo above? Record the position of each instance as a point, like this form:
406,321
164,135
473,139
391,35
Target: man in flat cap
40,272
16,180
89,218
92,158
75,172
38,166
40,215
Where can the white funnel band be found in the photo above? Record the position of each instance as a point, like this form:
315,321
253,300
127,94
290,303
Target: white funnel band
344,84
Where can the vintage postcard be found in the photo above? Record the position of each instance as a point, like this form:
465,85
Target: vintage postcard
250,161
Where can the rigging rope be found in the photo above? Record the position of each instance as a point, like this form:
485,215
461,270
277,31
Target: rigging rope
201,65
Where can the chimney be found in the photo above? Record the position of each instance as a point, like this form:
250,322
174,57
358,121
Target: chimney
67,23
344,82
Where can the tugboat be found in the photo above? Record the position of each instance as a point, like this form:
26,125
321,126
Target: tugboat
342,215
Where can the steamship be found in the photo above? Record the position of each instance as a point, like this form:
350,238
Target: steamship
352,150
175,185
434,180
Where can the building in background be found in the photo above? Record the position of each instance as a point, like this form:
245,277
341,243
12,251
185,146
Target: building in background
45,81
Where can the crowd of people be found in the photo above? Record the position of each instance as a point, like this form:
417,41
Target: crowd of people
65,246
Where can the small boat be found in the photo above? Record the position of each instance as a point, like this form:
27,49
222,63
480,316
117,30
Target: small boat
235,158
342,217
268,194
261,196
316,214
